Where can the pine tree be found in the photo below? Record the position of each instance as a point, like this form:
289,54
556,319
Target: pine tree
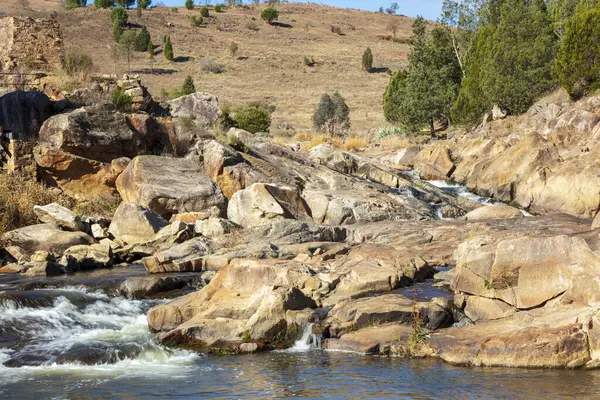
509,61
425,92
341,115
188,86
367,60
127,46
332,115
578,61
168,49
523,50
324,113
189,4
142,40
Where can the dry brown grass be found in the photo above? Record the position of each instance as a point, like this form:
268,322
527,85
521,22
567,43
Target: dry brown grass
102,205
355,143
17,198
270,65
396,142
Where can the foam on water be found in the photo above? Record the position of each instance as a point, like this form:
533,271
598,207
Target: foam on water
55,340
458,190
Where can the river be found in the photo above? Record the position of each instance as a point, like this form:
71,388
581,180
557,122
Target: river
79,343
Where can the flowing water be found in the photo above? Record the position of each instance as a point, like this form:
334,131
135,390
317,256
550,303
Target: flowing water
72,342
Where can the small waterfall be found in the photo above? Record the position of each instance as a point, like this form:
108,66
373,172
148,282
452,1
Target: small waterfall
308,341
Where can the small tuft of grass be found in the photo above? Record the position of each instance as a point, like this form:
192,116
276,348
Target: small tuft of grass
354,143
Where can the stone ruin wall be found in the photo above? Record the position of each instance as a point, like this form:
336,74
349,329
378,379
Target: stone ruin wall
28,49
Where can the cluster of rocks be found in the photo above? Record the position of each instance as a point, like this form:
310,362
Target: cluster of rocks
324,237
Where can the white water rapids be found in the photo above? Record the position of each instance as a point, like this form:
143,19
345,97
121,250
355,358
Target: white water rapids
77,332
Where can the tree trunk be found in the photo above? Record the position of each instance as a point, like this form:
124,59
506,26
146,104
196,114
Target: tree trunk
432,128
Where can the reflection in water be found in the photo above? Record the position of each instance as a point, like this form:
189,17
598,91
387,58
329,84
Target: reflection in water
317,374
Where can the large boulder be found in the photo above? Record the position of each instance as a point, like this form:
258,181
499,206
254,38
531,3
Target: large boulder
95,133
377,339
76,150
246,302
23,113
133,223
511,175
61,216
85,258
261,204
202,107
169,186
46,237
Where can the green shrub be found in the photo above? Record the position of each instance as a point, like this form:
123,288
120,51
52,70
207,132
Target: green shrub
104,3
385,132
253,118
226,122
116,33
211,66
189,4
188,86
196,21
76,63
367,60
578,63
219,8
233,49
269,14
121,101
150,48
204,12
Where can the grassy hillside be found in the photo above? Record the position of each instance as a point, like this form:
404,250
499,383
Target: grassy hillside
269,66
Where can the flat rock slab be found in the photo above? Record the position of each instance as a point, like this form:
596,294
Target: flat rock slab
46,237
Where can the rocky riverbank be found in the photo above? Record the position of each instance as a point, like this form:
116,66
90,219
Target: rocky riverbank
255,240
